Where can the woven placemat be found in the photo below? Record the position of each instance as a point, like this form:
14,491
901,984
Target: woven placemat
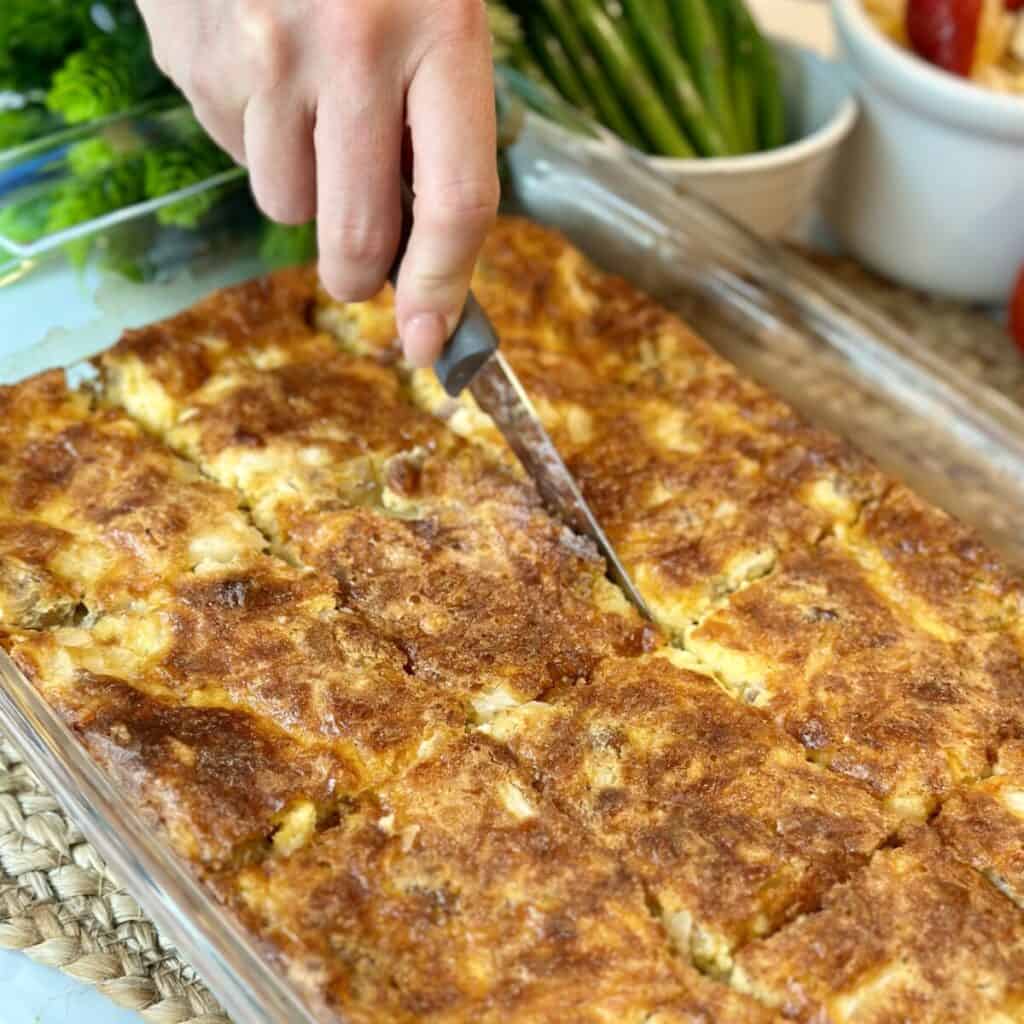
60,906
59,903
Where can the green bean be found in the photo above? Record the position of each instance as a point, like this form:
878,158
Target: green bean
662,17
521,58
771,107
676,82
700,42
618,51
551,56
743,56
610,111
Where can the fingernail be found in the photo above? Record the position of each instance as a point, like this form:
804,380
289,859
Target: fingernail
423,337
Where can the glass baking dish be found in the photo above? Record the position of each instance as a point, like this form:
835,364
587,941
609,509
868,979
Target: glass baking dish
765,308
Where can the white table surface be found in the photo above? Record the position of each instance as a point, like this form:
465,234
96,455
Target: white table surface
30,994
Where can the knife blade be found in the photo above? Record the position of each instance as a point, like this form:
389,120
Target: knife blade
471,359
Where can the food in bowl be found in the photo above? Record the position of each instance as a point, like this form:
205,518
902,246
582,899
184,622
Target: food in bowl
693,79
978,39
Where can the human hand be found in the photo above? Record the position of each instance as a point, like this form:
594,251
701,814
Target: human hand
315,97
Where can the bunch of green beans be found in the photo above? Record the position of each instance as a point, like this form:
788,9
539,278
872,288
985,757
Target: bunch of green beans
679,78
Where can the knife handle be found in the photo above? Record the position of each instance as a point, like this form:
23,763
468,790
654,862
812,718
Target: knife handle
472,344
474,340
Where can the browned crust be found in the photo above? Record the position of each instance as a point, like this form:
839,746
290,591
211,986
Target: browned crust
461,894
267,311
916,936
845,672
472,608
214,778
883,637
984,823
934,559
704,799
268,643
93,509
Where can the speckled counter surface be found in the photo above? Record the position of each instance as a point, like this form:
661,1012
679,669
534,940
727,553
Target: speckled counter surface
975,341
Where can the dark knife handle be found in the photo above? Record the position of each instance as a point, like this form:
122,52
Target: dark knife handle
474,340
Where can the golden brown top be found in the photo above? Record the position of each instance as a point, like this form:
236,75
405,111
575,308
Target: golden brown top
267,641
852,677
699,477
481,589
268,315
984,823
302,436
218,780
459,893
719,813
936,567
425,749
443,548
917,936
92,509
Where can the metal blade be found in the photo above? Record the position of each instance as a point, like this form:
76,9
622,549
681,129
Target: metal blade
498,392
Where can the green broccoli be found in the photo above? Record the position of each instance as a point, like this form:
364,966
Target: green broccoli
111,73
23,124
24,221
285,246
35,37
81,199
91,155
175,167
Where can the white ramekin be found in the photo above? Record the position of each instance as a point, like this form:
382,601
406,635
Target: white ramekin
931,186
771,192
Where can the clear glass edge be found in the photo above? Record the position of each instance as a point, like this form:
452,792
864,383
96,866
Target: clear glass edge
223,953
65,135
680,240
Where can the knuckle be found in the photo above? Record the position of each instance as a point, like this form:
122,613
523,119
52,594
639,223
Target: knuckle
471,203
360,245
462,20
355,259
364,31
345,285
265,38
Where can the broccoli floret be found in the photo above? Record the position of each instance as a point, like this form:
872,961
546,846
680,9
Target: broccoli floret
285,246
175,167
91,155
35,36
23,124
81,199
108,75
25,221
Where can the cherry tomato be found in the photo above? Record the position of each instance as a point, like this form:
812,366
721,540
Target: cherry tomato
945,32
1017,312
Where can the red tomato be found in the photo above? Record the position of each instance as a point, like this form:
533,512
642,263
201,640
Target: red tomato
1013,5
1017,312
944,32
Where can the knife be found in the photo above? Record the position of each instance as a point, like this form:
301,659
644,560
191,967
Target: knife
471,359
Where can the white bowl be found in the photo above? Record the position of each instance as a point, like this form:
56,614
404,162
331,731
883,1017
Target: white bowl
771,192
931,189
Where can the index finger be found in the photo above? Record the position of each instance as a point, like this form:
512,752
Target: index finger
450,108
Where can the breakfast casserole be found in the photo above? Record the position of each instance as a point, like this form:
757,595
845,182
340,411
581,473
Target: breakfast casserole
310,614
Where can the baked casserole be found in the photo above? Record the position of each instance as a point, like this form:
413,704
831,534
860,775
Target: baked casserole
311,616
